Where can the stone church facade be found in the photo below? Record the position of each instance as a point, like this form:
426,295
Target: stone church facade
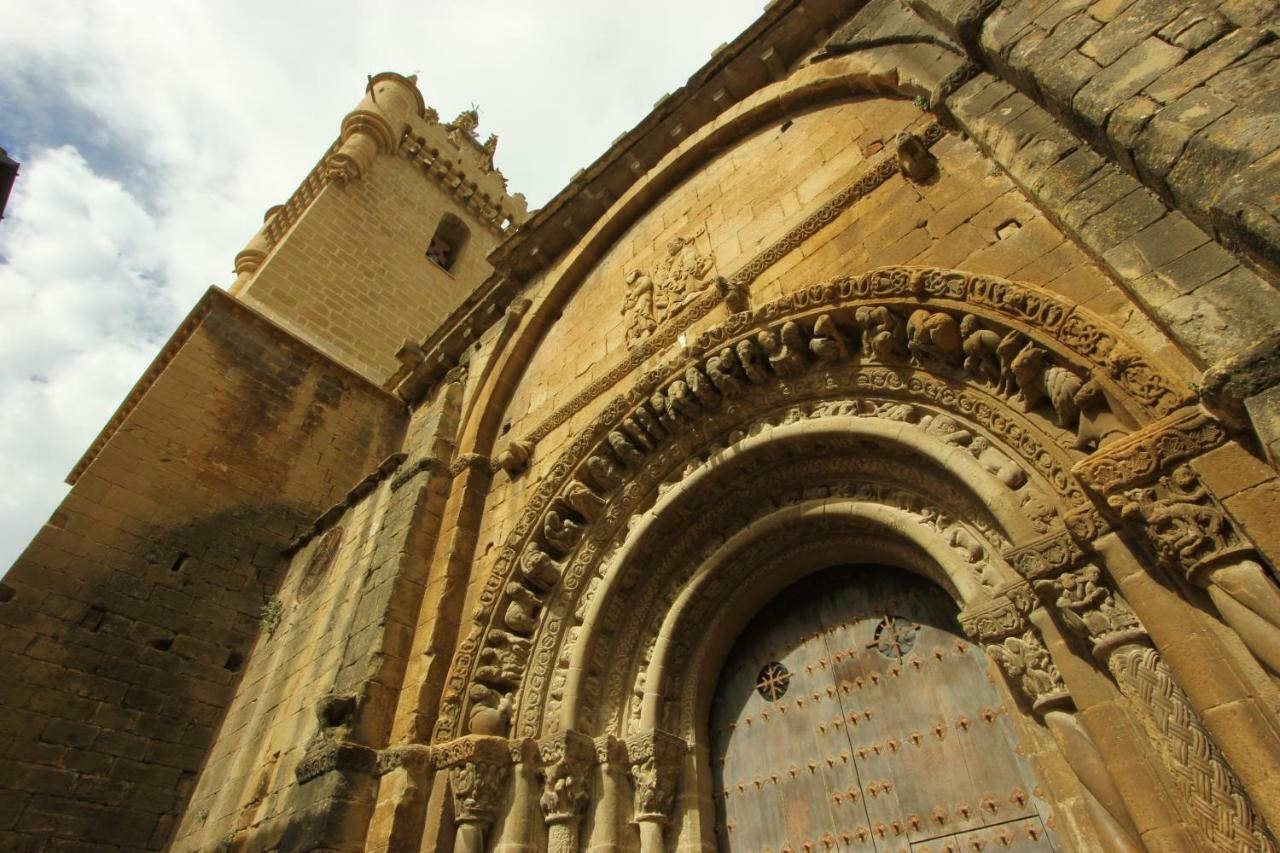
874,450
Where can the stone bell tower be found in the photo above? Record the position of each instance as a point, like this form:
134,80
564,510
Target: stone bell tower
388,233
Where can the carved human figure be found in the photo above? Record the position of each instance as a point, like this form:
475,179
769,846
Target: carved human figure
785,348
561,532
605,472
490,711
638,308
539,569
1184,527
881,332
827,342
752,361
723,374
522,610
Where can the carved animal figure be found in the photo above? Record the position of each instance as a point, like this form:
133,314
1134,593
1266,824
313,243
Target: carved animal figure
1006,351
980,345
995,462
934,336
1027,367
1098,423
582,500
539,569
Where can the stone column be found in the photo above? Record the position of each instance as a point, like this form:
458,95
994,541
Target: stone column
566,760
655,760
611,757
477,767
405,774
1016,646
517,827
1217,802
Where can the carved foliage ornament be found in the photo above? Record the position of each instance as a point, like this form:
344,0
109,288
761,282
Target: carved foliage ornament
885,321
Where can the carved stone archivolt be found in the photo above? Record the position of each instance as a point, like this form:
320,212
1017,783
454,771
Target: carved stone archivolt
968,347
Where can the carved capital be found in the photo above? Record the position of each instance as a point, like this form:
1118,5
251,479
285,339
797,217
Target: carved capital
1001,617
1090,609
478,767
1142,456
1029,666
476,461
566,759
654,760
1046,556
1180,522
416,758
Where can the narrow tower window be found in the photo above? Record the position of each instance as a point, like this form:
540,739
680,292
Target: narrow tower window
446,244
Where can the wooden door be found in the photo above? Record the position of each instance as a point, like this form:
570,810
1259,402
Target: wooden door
853,715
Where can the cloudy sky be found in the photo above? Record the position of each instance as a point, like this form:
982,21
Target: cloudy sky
154,133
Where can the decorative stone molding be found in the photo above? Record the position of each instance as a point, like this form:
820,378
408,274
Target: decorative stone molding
1146,453
1219,805
999,618
416,758
471,461
654,760
921,319
1052,553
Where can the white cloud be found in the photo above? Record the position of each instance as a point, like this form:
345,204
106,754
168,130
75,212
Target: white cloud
154,133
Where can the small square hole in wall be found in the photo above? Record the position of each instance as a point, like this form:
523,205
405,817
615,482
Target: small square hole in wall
234,661
178,562
786,125
6,593
162,644
1008,229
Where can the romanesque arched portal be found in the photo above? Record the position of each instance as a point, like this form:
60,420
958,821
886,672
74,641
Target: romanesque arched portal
964,427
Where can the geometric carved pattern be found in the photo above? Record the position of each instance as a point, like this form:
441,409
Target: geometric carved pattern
1220,807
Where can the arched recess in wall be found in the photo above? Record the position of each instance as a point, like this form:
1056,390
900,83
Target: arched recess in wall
448,241
826,83
934,419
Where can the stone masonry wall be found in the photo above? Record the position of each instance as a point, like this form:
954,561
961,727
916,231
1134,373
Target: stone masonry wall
352,277
128,619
